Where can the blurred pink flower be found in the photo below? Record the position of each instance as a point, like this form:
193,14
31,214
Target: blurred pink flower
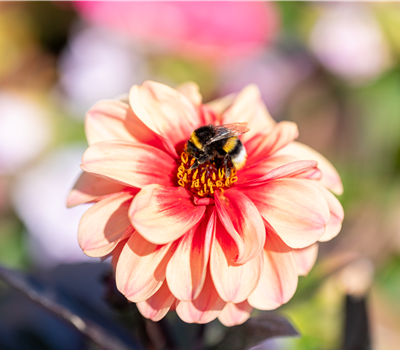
207,249
216,30
349,42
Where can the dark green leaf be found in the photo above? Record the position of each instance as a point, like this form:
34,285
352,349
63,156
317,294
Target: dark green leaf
256,330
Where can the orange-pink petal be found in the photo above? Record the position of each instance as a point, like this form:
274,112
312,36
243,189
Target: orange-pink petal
220,105
103,225
242,220
163,214
186,271
305,258
128,163
205,308
294,208
166,111
337,215
307,169
118,249
278,280
208,116
233,282
330,177
192,92
280,136
114,120
248,107
157,306
235,314
262,168
90,188
141,267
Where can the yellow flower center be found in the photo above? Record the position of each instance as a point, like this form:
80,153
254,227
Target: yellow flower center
206,178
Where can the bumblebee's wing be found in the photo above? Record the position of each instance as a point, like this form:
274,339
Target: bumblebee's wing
228,130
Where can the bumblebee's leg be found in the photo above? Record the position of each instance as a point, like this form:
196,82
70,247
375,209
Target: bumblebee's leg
194,165
200,160
227,169
205,158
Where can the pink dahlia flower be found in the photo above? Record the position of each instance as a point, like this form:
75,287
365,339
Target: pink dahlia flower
212,29
195,241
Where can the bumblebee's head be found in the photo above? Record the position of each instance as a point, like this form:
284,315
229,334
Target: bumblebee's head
193,150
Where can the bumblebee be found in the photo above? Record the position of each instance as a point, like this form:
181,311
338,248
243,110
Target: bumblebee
210,141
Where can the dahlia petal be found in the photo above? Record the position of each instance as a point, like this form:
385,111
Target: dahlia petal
191,91
157,306
280,135
141,267
103,224
124,97
163,214
294,208
235,314
166,111
337,215
186,271
330,177
115,120
131,164
208,116
91,188
248,107
252,172
174,304
233,282
220,105
205,308
252,144
300,169
305,258
278,280
117,251
118,248
242,220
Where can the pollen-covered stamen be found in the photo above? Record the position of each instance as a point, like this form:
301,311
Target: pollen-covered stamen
206,178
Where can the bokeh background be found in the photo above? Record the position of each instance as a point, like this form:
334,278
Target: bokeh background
333,68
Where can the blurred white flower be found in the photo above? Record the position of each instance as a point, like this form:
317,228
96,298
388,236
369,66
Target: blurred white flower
39,197
349,42
275,73
98,64
25,131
